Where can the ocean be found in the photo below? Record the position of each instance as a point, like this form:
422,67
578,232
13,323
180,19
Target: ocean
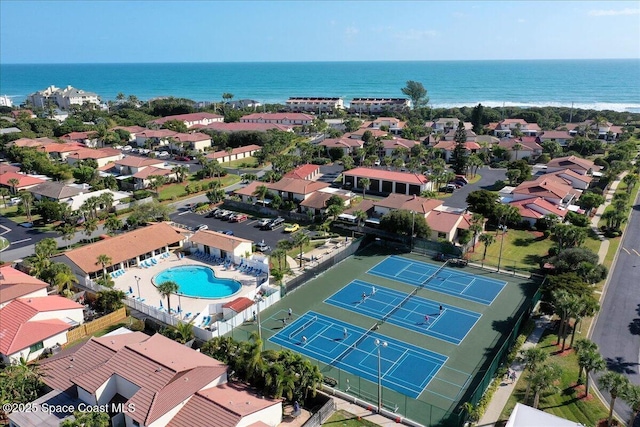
589,84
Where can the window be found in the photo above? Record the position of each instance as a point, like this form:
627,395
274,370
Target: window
442,235
36,347
135,423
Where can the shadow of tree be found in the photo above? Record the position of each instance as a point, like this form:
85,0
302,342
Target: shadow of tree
634,327
621,366
523,242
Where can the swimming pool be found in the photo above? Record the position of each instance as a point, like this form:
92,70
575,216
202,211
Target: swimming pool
198,281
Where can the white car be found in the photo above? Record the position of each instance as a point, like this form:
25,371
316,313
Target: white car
127,148
163,154
118,147
202,227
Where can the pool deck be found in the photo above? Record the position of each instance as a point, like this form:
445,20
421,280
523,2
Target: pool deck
187,304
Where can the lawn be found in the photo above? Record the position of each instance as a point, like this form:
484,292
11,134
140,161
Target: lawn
568,402
3,243
246,163
12,213
346,419
175,191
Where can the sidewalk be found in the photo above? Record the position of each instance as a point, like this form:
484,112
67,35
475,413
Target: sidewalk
502,394
608,197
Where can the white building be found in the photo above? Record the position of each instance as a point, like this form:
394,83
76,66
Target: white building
63,98
378,105
5,101
313,105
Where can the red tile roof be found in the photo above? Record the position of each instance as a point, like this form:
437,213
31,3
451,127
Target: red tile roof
277,117
249,127
191,137
250,188
544,187
63,147
152,170
130,129
79,136
405,177
527,144
24,180
302,171
445,222
238,304
15,283
342,142
319,199
572,174
571,162
159,133
4,168
526,205
218,240
190,117
556,134
137,162
390,144
450,145
297,186
92,153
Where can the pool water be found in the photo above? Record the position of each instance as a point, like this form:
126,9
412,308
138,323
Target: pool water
198,281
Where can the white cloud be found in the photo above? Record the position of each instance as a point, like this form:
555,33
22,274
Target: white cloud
351,31
610,12
412,34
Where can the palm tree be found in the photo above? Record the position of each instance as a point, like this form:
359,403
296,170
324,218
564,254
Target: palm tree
631,395
561,304
334,210
113,224
155,182
64,281
364,183
4,193
181,172
473,414
300,240
67,231
590,361
630,180
14,182
278,255
361,216
104,260
27,199
584,345
487,239
185,332
476,227
90,226
106,200
615,384
261,193
517,147
166,289
252,357
544,379
587,307
532,357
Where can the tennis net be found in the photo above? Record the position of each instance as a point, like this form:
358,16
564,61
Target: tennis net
399,306
354,345
303,327
435,273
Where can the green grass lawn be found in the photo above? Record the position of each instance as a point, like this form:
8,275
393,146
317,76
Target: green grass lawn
346,419
246,163
3,243
12,213
569,402
169,192
522,249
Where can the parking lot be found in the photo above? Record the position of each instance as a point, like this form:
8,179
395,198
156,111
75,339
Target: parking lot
247,230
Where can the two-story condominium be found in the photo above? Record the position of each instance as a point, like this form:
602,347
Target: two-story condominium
576,180
347,145
314,104
16,284
133,131
237,153
296,189
391,146
603,130
383,181
551,189
24,182
191,119
152,382
576,164
55,191
378,105
506,128
102,156
393,125
290,119
447,147
534,208
151,137
521,147
63,98
190,141
562,137
131,165
246,127
445,124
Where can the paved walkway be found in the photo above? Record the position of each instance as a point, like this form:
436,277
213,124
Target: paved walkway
502,394
608,197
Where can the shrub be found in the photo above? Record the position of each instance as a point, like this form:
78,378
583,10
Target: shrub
321,161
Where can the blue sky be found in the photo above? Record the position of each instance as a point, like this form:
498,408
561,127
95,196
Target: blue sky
231,31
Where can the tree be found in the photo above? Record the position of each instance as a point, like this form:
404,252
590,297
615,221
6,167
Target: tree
64,281
181,171
184,331
157,181
361,216
513,175
167,288
487,239
476,227
474,162
459,155
589,201
334,211
13,182
483,202
4,193
20,382
615,384
568,236
364,184
44,249
112,224
590,361
587,306
403,222
631,395
261,193
110,300
67,231
543,380
300,240
104,261
26,199
90,226
477,116
516,148
630,181
532,358
88,419
417,93
552,148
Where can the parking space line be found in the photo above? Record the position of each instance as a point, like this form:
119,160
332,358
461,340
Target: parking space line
7,230
625,249
636,252
21,241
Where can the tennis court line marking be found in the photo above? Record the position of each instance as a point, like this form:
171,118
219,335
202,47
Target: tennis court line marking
423,355
458,273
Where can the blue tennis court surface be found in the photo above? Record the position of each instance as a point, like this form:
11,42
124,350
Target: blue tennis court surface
404,367
446,281
417,314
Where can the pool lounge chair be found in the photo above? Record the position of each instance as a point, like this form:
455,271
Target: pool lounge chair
205,321
154,261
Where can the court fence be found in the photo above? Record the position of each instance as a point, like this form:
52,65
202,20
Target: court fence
322,414
317,268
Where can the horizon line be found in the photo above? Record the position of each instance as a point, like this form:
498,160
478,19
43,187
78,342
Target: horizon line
317,61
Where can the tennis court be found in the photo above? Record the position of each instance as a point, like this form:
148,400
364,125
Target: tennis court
405,368
410,312
444,280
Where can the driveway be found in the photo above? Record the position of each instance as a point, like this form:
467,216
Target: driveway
458,199
617,327
19,236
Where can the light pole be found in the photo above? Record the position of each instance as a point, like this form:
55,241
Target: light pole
380,344
413,224
504,230
138,284
257,300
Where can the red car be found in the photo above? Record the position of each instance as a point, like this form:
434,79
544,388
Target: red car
182,158
239,218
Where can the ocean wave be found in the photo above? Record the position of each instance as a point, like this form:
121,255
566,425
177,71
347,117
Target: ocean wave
598,106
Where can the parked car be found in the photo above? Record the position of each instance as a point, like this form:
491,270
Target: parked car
127,148
238,218
202,227
448,188
263,222
212,214
262,247
222,212
227,232
462,178
274,224
226,215
182,158
163,155
291,228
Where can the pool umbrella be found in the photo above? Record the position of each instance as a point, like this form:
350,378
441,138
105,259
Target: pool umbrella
161,304
130,290
179,309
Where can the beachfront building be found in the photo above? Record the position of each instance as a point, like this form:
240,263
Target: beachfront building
314,104
238,153
33,325
290,119
5,101
378,105
191,119
221,245
16,284
63,98
386,182
508,127
168,384
124,250
239,104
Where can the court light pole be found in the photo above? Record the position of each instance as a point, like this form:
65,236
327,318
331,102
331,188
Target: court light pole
138,284
504,230
257,300
413,224
380,344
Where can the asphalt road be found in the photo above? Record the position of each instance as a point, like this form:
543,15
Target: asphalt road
617,327
489,177
19,236
247,229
